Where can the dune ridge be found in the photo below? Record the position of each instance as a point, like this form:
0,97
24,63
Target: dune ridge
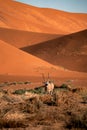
19,38
16,62
20,16
23,25
69,51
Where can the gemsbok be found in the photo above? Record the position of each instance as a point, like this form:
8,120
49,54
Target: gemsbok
49,85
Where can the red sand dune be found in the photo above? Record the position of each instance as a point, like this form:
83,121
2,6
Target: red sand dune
18,24
19,38
20,16
69,51
15,62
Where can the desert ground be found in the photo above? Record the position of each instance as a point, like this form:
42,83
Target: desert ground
35,42
25,105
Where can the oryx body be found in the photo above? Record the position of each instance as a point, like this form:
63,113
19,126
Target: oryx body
49,85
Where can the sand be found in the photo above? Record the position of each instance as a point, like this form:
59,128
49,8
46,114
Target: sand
20,16
69,51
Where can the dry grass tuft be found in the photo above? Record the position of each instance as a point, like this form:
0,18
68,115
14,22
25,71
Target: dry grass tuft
14,116
12,120
63,110
77,120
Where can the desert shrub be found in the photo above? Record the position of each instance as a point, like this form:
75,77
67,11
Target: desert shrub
49,100
3,91
7,84
27,82
3,84
13,120
33,91
32,105
11,83
69,81
77,120
20,91
84,99
83,94
39,90
64,86
10,124
20,82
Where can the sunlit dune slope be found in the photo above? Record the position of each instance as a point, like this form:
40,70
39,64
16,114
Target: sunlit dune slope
20,16
21,38
15,62
69,51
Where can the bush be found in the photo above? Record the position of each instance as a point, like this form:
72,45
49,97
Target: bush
12,120
20,91
84,96
27,82
78,120
64,86
39,90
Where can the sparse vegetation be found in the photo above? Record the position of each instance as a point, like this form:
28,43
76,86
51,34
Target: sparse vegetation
39,90
77,120
63,86
27,82
20,91
14,83
83,94
25,108
13,120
